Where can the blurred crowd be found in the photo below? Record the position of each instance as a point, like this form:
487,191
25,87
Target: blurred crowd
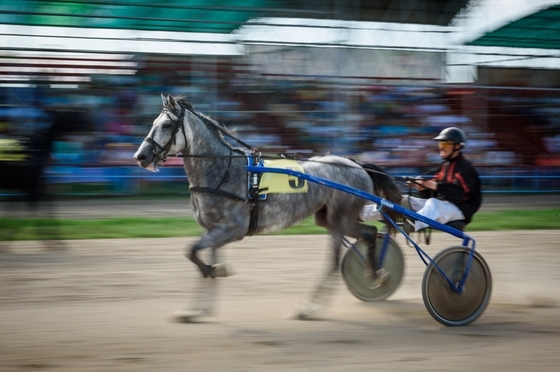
391,125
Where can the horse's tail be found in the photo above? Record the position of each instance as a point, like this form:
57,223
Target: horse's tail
385,187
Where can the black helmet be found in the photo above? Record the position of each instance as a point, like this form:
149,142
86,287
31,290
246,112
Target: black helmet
453,134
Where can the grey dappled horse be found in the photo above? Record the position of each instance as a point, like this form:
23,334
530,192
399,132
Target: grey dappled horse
219,192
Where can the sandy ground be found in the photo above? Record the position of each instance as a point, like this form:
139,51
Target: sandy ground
106,305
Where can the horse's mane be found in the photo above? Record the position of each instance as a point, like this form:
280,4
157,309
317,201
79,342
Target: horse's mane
214,126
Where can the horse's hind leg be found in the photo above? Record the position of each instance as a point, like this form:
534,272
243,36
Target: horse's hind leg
360,231
368,234
308,309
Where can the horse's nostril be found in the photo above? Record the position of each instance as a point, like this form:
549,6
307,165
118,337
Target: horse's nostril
140,157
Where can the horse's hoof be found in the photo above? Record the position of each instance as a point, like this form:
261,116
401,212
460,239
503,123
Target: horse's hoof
307,310
220,271
381,278
189,316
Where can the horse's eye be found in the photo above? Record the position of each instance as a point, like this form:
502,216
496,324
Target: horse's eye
167,126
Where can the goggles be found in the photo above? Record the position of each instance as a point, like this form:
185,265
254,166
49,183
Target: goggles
445,144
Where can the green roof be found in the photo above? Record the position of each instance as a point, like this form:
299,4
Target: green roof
220,16
539,30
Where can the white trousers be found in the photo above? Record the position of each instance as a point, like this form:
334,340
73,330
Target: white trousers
435,209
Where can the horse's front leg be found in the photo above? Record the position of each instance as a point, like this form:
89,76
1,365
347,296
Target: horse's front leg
206,289
208,271
214,239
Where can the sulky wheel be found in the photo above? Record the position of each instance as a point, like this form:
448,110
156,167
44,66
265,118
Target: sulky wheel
354,269
443,303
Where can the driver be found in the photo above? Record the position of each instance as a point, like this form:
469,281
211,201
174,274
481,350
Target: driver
453,194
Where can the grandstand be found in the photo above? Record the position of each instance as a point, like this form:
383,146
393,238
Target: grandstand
369,79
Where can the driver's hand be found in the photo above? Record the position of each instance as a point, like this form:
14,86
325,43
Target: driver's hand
418,184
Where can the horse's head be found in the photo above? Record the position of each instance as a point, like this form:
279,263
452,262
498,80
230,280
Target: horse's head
163,139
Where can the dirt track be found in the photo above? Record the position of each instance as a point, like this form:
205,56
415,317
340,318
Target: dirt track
106,305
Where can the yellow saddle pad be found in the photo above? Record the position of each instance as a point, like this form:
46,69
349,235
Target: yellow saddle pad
277,183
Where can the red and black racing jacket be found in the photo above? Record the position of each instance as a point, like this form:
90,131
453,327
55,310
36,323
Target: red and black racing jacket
458,182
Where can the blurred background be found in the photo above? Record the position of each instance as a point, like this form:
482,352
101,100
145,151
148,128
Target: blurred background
80,84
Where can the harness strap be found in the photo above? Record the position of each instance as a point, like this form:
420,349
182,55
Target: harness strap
210,190
253,195
254,211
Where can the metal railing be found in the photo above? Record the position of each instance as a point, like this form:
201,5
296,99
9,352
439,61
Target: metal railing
134,181
126,180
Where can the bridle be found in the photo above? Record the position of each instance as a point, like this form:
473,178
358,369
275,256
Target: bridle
162,152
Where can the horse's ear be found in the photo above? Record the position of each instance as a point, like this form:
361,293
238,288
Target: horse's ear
164,100
172,101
